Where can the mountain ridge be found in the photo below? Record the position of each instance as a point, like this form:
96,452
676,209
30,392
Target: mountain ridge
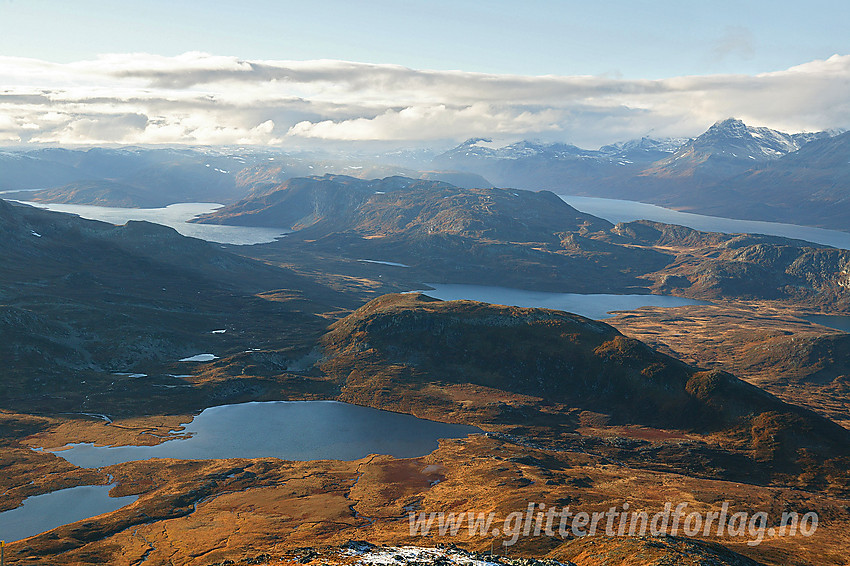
730,170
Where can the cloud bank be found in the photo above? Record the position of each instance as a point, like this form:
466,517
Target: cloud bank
197,98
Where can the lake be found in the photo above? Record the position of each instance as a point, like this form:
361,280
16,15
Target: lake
838,322
596,306
615,210
290,430
174,216
42,513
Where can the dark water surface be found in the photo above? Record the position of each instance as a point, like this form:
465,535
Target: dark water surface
290,430
42,513
596,306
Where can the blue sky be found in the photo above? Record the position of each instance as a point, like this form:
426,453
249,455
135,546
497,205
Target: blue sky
632,39
436,72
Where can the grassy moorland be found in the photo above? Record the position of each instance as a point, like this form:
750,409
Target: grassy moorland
725,402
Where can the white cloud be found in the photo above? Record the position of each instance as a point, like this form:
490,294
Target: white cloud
433,122
205,99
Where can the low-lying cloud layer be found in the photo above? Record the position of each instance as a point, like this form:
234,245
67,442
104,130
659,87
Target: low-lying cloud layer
198,98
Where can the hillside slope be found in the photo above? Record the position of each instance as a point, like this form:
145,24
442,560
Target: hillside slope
81,300
444,232
415,354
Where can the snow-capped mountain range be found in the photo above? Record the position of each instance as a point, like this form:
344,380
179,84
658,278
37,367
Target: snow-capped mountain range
729,137
724,171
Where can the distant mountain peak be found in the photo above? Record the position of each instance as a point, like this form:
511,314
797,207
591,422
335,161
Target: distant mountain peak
730,126
644,144
473,142
732,139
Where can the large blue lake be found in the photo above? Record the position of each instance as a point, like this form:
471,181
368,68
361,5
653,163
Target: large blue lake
297,430
290,430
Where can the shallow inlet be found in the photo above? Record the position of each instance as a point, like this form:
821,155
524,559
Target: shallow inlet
837,322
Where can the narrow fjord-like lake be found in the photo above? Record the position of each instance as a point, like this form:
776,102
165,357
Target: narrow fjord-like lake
175,216
615,210
290,430
596,306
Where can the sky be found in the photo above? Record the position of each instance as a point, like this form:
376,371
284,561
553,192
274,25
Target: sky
284,73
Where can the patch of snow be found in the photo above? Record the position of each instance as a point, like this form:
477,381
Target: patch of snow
100,416
394,264
200,358
397,555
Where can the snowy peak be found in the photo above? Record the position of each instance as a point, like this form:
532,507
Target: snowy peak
484,148
731,127
667,145
729,148
545,165
643,150
732,138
